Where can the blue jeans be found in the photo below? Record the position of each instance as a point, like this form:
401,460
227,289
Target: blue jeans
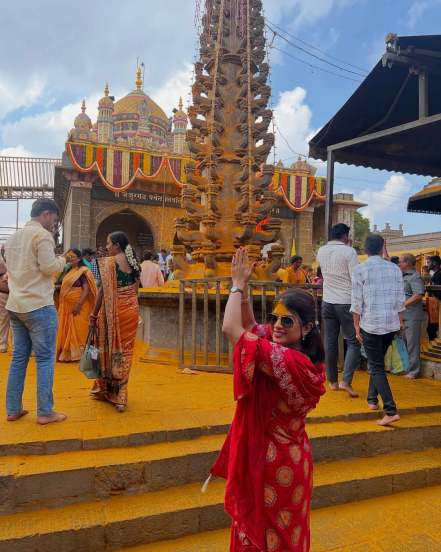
37,331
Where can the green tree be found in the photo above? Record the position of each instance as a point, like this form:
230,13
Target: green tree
361,229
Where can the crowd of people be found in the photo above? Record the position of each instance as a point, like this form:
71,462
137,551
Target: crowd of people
280,367
91,291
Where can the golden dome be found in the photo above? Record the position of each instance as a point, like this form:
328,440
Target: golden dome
134,100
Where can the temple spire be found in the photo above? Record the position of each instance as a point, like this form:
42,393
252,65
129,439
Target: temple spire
138,81
83,106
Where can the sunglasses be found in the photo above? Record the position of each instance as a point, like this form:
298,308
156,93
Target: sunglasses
287,322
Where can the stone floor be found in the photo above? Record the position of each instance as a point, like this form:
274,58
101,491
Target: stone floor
161,397
405,522
105,481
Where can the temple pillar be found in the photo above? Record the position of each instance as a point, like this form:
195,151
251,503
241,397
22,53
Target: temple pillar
304,235
76,219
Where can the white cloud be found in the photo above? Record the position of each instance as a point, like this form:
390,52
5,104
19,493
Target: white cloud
303,12
13,96
415,12
293,118
178,85
44,134
15,151
381,203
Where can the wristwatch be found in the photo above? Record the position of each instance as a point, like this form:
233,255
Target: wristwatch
235,289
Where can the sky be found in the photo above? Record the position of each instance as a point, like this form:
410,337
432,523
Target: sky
61,52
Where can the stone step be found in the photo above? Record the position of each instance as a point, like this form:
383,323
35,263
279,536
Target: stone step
158,429
124,521
30,482
353,527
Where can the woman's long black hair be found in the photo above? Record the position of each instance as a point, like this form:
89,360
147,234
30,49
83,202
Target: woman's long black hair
121,239
301,303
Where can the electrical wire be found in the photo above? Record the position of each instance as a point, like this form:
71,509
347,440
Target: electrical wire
363,69
323,60
314,66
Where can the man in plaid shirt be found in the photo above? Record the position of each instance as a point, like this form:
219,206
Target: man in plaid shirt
377,307
89,257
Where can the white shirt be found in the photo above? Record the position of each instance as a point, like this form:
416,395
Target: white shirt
378,295
337,261
32,264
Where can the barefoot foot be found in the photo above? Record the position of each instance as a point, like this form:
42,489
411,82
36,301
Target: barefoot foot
373,406
349,389
333,386
15,417
54,417
386,420
120,408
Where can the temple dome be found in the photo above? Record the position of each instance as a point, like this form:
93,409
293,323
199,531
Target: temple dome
82,121
137,101
106,102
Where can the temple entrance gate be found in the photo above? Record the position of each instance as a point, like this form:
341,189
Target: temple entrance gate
136,227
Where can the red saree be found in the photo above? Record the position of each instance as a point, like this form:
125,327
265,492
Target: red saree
117,327
266,458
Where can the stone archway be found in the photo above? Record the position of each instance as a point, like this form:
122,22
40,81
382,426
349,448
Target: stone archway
136,227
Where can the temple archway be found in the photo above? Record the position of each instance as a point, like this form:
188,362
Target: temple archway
136,227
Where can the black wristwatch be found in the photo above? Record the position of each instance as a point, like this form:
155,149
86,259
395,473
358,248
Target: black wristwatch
236,289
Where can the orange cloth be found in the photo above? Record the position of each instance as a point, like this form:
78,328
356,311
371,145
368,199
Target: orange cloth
295,276
117,327
151,275
73,329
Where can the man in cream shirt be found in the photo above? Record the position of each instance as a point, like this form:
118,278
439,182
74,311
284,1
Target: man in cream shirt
337,259
32,264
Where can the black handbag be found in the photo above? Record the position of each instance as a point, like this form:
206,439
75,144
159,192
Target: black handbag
90,359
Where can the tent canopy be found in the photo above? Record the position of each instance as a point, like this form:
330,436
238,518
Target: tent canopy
393,120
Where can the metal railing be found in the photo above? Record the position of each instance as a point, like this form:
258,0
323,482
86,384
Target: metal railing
201,344
27,177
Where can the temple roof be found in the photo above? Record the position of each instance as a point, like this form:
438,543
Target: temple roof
133,101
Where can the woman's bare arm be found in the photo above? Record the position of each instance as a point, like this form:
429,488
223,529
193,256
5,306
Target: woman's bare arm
233,326
248,319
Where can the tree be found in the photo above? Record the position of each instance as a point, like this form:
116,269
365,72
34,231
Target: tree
361,230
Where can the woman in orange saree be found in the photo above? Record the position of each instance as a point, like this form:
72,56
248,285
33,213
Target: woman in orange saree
278,378
117,314
76,300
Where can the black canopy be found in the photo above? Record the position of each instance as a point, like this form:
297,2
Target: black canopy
393,120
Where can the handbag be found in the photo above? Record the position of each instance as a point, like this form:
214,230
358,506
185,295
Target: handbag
90,359
397,358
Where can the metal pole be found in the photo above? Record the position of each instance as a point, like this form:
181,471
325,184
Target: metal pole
17,214
423,94
329,194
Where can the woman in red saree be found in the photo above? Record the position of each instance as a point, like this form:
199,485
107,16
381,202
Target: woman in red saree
76,300
266,459
117,314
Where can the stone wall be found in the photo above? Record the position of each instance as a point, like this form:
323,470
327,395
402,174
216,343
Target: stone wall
78,223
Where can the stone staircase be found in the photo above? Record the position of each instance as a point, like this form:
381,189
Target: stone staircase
143,489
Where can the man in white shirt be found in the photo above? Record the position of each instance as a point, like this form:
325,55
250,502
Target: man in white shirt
337,260
378,304
32,264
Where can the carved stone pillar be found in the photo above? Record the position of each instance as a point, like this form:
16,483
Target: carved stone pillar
76,220
304,235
